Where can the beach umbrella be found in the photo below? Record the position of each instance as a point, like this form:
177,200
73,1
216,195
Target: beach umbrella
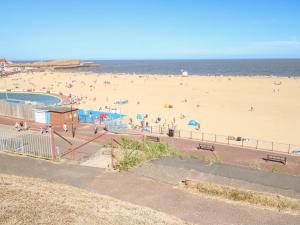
193,123
140,117
103,116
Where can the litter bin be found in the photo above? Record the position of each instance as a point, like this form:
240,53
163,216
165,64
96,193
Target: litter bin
171,133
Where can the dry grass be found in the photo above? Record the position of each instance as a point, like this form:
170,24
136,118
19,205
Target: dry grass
265,200
34,201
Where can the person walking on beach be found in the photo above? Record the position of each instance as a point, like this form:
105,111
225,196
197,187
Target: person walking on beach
65,127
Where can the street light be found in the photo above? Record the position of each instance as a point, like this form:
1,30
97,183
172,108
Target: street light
72,118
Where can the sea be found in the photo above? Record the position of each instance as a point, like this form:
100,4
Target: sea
226,67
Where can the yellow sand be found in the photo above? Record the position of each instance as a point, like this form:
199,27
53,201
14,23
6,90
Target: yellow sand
220,104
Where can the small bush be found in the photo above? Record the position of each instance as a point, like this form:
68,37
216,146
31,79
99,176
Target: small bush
193,157
255,165
214,158
275,169
133,153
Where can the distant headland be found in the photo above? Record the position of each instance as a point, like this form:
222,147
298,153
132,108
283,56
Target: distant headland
8,67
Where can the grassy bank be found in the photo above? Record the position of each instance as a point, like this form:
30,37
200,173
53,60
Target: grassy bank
266,200
131,153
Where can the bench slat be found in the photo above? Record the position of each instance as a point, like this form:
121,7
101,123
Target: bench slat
152,138
206,147
276,158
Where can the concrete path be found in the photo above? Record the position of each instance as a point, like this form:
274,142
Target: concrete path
75,175
175,176
276,180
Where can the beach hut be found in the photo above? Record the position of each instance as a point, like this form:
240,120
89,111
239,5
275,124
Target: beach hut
61,115
41,115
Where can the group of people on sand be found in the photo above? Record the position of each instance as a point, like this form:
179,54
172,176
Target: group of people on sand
21,126
45,129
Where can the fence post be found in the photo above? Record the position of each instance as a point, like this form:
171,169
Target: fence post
272,146
202,136
242,142
191,135
256,144
53,149
289,149
215,138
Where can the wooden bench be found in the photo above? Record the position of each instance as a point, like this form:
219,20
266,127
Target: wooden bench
276,158
206,147
153,138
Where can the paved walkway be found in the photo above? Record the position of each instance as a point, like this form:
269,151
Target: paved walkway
175,175
146,191
75,175
228,154
276,180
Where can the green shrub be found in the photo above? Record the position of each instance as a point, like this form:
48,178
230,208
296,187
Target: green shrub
133,153
214,158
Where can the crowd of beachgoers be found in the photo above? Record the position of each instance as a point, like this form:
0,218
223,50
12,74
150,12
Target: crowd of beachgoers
255,107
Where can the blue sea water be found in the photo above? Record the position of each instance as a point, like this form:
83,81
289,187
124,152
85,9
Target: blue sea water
247,67
39,98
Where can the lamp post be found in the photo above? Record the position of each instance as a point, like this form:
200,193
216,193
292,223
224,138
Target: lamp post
72,122
72,119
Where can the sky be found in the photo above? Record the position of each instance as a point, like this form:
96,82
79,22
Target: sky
153,29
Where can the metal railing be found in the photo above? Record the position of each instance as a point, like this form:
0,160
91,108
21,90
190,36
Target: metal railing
17,110
27,142
228,140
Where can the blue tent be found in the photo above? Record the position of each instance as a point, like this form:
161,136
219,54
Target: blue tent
193,123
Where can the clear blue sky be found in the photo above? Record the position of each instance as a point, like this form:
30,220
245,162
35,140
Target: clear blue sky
153,29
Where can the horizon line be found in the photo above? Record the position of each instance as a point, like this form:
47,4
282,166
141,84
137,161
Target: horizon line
160,59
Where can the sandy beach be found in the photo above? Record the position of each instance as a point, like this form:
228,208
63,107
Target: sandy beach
266,108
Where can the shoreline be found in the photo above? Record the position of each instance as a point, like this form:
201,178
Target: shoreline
173,75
